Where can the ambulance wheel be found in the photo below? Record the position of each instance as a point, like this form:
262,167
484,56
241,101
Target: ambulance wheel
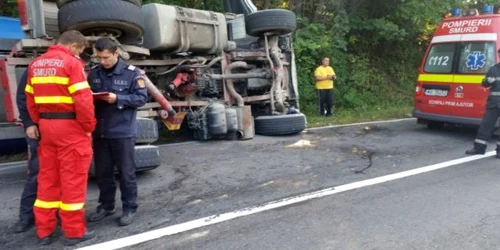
147,157
278,21
435,125
61,3
147,131
93,17
280,124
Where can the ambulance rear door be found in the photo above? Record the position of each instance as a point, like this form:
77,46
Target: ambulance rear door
437,78
475,55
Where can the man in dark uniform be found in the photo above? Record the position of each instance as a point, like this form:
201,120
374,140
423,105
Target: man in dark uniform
26,216
114,137
492,113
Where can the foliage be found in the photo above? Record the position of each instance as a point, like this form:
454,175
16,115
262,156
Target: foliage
375,46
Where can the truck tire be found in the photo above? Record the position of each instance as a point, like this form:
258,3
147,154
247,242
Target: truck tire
277,21
147,157
280,124
61,3
147,131
88,16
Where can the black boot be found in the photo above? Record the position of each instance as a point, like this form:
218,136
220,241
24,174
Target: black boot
126,218
100,214
48,240
23,226
479,149
87,236
475,151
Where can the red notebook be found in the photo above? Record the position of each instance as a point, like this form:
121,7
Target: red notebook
100,95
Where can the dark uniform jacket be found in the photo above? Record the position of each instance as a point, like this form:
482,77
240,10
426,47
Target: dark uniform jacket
494,95
24,115
118,120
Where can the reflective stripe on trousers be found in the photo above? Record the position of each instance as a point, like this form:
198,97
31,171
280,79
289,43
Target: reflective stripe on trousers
58,204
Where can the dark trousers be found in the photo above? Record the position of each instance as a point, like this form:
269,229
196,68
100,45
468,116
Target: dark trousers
120,153
29,193
486,129
325,101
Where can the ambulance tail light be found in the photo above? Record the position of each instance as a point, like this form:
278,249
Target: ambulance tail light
418,89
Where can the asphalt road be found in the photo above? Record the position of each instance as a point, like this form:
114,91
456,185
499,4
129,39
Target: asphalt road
457,207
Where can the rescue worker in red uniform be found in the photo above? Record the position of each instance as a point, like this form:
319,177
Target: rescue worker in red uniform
60,102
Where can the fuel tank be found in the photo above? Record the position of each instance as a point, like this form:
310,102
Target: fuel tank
175,29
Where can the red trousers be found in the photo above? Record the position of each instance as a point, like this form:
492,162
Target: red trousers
65,154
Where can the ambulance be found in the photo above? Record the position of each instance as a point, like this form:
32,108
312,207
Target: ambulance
462,50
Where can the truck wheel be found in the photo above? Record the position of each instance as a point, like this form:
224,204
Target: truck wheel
61,3
93,17
147,131
278,21
280,124
147,157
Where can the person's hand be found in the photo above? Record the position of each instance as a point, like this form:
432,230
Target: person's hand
32,132
111,98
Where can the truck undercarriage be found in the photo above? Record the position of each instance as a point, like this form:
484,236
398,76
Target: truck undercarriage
226,75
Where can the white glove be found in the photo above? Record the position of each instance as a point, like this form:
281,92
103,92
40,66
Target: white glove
490,79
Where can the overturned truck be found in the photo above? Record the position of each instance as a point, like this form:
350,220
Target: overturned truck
223,75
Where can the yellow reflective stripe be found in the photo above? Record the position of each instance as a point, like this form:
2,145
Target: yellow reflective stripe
71,207
46,204
469,79
50,79
78,86
435,78
53,99
29,89
451,78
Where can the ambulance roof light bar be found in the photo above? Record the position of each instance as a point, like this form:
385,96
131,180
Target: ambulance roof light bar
471,12
456,12
488,9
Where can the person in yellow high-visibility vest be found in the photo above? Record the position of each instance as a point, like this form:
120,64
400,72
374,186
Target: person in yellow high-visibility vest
324,76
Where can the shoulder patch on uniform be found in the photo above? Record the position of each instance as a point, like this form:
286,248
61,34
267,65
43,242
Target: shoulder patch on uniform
131,67
141,82
95,66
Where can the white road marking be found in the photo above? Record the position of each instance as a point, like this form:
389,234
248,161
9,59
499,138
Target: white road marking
218,218
362,123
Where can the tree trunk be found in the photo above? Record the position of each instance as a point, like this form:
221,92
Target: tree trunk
297,4
318,12
267,4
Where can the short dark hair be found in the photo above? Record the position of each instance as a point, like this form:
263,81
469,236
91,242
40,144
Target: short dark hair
72,36
105,43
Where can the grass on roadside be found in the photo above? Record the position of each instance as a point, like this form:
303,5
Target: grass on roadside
344,116
14,158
